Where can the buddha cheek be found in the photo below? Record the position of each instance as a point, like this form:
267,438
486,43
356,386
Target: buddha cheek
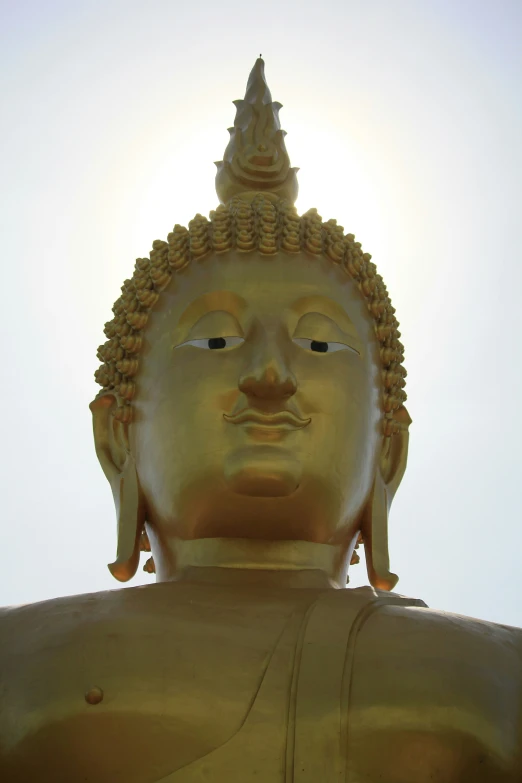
178,438
344,439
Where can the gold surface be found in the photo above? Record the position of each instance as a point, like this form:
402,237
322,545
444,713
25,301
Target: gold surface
251,466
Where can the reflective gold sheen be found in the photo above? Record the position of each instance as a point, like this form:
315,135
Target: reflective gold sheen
251,424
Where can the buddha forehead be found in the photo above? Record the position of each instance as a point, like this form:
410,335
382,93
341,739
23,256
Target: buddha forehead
254,287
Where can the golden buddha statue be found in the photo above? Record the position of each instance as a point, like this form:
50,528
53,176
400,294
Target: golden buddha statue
252,426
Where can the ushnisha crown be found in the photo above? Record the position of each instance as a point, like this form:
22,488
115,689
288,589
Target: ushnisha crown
255,160
257,189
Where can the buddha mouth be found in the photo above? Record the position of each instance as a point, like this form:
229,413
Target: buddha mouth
282,419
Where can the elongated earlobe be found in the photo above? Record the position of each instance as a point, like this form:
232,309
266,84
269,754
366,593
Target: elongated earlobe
374,527
131,518
375,536
112,448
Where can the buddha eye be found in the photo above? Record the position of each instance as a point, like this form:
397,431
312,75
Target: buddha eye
215,343
319,346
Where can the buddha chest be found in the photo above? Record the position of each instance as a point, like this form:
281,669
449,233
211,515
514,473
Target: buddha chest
186,683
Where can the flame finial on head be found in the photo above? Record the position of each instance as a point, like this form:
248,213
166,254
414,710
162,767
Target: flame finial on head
256,159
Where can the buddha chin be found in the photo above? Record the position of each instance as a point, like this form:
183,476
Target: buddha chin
262,471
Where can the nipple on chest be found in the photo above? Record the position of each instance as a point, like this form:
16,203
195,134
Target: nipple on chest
94,695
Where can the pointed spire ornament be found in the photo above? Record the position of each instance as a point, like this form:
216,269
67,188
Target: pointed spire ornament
256,160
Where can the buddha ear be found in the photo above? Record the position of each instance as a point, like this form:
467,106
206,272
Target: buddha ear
111,440
374,527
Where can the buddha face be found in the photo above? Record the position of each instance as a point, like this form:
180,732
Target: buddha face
257,412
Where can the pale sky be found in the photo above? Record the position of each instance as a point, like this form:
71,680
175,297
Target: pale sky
405,118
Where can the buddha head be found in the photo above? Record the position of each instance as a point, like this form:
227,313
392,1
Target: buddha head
252,380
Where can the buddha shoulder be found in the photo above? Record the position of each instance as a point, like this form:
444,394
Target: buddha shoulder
159,662
53,625
450,684
397,630
107,623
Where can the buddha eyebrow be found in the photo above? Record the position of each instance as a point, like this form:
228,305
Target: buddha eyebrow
323,305
226,301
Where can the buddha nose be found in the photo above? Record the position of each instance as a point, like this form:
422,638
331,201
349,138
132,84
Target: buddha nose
268,376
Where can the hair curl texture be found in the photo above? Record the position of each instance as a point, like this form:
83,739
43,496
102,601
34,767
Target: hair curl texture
264,226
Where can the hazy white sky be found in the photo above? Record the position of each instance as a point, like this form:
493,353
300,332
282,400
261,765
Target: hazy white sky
405,117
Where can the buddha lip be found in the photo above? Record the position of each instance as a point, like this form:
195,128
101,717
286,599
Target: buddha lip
267,419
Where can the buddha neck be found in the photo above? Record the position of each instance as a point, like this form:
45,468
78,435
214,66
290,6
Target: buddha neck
244,561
